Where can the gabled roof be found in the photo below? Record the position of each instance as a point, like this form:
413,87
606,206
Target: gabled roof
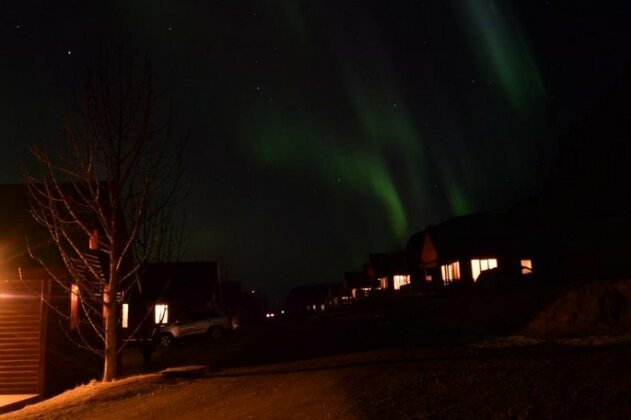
355,280
388,264
416,241
484,234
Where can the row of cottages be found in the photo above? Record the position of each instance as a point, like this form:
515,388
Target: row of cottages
453,253
41,351
381,273
303,300
458,251
520,245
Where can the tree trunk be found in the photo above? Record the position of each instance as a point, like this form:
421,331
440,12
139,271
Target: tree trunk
109,309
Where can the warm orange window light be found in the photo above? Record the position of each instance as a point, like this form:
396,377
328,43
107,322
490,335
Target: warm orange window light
74,306
161,313
125,316
478,266
93,242
383,282
401,280
526,266
450,272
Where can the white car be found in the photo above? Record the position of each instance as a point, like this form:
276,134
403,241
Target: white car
213,323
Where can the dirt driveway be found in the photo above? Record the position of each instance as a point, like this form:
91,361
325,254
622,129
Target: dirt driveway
461,381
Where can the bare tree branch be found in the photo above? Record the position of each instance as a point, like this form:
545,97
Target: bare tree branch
114,184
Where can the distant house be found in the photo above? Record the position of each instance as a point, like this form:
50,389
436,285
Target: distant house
359,284
457,251
314,298
167,291
390,271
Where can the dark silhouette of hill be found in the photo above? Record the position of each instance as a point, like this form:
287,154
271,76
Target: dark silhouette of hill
594,160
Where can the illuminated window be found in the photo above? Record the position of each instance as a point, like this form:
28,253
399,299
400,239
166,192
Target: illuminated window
450,272
428,277
383,282
161,313
93,242
125,316
478,266
74,306
526,266
401,280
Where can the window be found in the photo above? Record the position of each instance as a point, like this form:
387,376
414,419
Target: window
401,280
161,313
450,272
383,282
526,266
125,316
478,266
93,241
74,306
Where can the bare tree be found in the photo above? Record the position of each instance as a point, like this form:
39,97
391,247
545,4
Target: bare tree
111,185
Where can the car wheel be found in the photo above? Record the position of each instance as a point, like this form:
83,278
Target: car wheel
215,333
166,340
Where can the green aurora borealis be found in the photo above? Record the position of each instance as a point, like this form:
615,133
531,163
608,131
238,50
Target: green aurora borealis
325,131
384,126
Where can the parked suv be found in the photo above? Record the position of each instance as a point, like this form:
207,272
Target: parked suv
214,323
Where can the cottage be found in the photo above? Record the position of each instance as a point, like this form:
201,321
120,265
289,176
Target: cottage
391,271
34,309
457,251
357,285
314,298
166,292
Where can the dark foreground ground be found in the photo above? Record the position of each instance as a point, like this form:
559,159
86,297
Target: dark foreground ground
448,357
461,381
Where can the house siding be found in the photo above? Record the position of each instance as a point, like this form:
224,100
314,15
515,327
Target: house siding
21,337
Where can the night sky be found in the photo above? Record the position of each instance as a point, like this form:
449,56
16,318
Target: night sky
322,131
